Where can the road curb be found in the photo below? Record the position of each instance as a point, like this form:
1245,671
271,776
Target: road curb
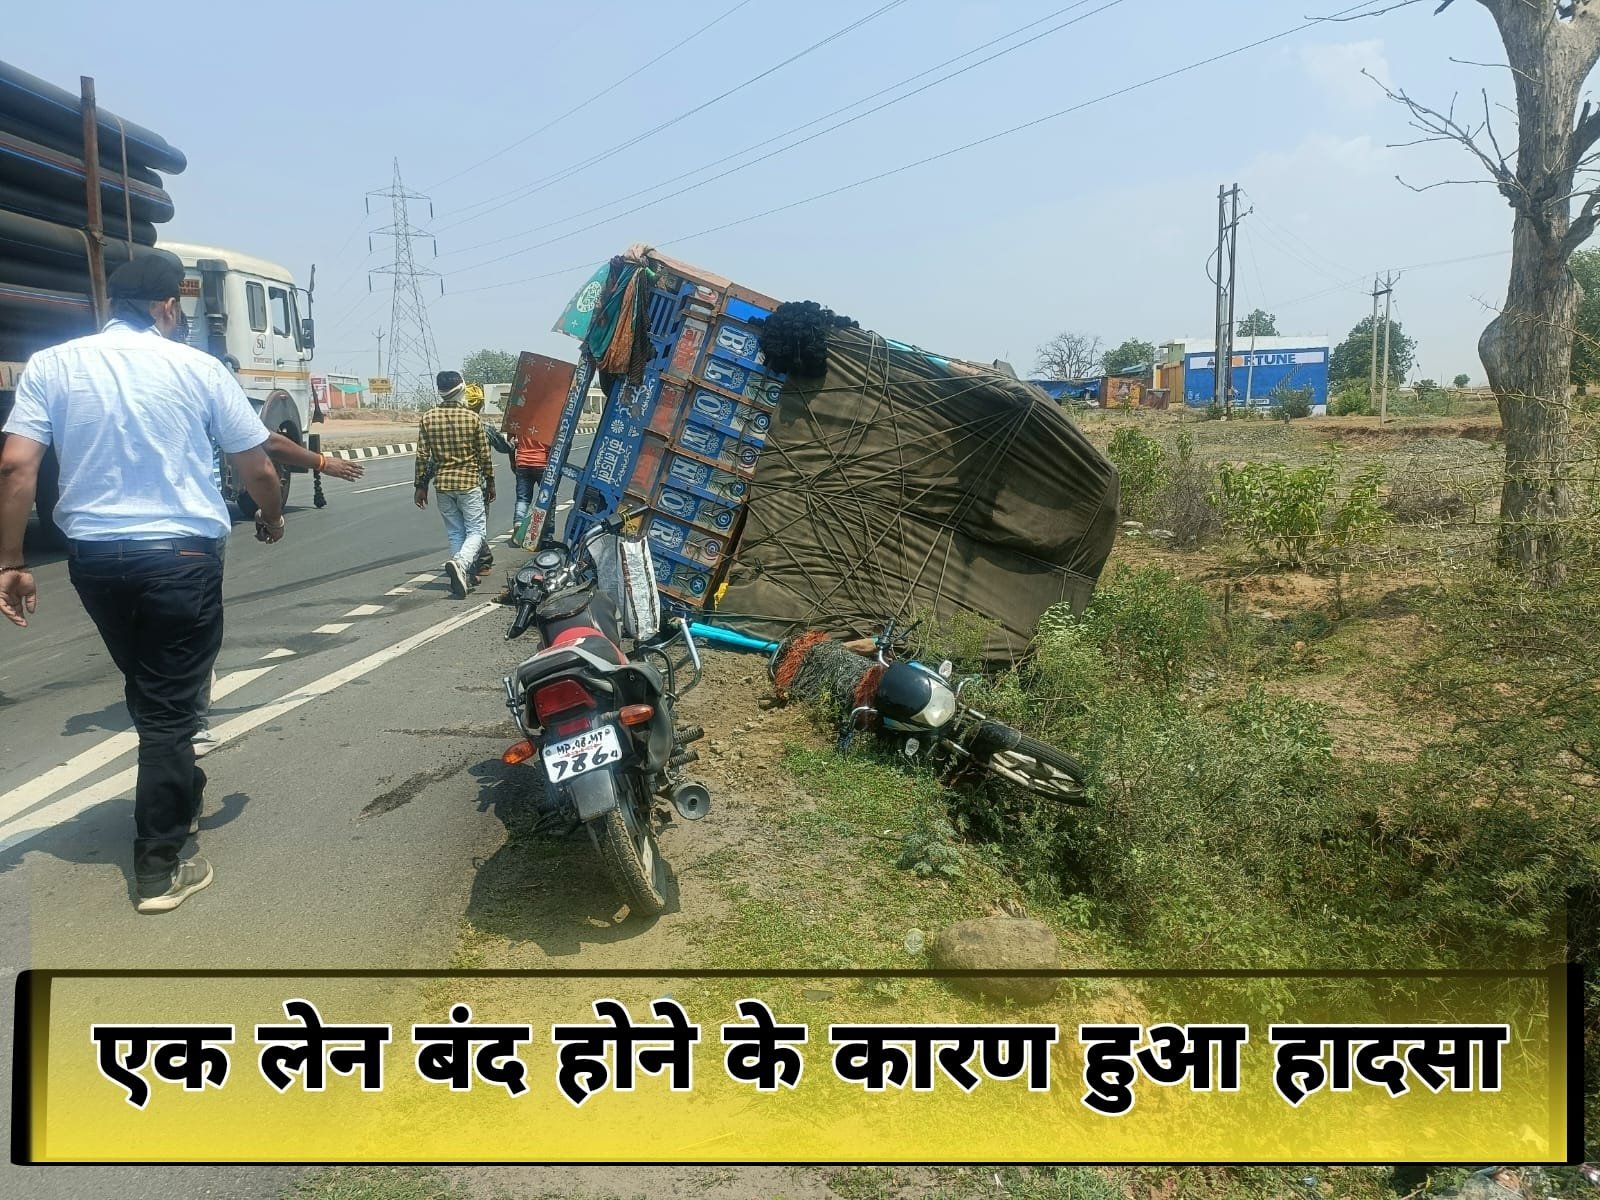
352,452
397,448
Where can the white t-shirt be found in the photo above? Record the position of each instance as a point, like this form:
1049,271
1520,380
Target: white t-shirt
132,416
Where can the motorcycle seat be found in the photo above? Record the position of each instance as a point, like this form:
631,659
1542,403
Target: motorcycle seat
591,641
597,657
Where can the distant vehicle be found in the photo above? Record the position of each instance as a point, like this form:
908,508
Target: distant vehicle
242,309
246,311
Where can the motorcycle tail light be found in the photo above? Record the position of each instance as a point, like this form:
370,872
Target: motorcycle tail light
637,714
567,728
560,697
520,753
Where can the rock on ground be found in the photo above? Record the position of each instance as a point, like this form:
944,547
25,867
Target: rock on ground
1000,944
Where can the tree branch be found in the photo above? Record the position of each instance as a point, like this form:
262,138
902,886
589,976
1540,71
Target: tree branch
1363,16
1440,126
1428,187
1582,227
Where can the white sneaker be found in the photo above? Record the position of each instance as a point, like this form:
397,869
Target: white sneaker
189,878
205,741
458,579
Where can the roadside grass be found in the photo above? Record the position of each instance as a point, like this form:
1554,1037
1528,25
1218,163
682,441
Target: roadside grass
379,1183
1297,698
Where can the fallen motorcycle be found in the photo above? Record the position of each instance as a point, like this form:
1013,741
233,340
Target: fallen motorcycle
600,720
921,712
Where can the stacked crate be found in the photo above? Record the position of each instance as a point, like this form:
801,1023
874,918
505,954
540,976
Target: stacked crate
682,445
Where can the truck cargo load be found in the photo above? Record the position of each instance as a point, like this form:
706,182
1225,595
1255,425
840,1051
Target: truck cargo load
885,481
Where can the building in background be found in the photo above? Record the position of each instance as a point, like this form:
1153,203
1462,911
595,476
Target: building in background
1262,366
331,391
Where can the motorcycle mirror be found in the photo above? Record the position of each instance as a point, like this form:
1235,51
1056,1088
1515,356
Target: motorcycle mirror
862,718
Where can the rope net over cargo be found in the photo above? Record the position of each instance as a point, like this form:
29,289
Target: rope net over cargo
899,482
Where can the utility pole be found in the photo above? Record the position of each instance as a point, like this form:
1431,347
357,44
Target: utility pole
1380,289
1227,244
1388,302
380,351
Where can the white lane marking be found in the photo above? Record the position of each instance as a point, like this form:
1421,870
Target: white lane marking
424,578
70,806
335,627
231,683
39,789
399,591
381,486
365,610
278,653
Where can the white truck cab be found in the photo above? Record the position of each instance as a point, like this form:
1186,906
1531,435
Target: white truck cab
246,311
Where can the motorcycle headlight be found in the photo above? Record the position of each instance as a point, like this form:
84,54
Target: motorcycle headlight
941,706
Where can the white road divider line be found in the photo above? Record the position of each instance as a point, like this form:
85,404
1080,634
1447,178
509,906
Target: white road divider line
13,830
365,610
424,578
333,627
400,591
280,652
381,487
37,790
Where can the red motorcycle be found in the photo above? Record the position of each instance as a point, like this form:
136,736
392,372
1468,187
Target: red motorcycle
601,719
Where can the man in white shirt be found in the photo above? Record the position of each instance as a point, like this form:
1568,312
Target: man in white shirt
132,415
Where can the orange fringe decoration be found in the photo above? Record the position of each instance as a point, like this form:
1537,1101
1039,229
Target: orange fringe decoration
867,689
793,658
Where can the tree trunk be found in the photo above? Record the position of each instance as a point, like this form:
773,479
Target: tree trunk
1527,352
1527,349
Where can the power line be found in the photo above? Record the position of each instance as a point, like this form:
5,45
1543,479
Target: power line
541,184
603,92
780,150
974,144
1362,278
1289,238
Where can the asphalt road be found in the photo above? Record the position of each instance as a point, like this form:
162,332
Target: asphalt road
345,812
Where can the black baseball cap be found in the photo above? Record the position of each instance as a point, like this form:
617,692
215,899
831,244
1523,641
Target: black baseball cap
157,275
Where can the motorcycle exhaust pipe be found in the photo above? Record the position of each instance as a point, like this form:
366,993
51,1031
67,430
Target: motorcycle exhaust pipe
692,800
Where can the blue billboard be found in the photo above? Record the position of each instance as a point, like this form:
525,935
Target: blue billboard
1257,374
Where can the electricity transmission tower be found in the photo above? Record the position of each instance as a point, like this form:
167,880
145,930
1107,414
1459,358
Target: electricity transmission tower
412,356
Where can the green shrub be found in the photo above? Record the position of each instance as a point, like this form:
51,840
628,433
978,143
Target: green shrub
1141,464
1146,623
1352,401
1183,506
1290,514
1292,403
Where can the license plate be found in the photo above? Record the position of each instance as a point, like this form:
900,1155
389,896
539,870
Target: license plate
586,752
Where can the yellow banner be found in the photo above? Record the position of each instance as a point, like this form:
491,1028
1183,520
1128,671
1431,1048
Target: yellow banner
730,1068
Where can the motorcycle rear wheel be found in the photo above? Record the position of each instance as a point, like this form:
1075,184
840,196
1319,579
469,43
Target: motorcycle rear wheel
629,853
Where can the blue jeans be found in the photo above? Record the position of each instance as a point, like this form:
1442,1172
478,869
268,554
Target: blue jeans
527,488
466,524
159,613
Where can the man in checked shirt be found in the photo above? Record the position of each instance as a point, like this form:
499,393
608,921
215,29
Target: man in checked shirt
452,445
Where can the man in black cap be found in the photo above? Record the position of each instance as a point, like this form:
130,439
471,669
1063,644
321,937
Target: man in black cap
132,414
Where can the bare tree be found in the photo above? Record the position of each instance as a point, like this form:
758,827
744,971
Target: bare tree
1551,46
1069,356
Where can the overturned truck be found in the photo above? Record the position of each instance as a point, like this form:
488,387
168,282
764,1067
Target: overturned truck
793,471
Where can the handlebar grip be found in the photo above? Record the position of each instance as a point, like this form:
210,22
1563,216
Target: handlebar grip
524,618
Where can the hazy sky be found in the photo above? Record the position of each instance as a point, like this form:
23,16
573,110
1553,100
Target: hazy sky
1100,220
